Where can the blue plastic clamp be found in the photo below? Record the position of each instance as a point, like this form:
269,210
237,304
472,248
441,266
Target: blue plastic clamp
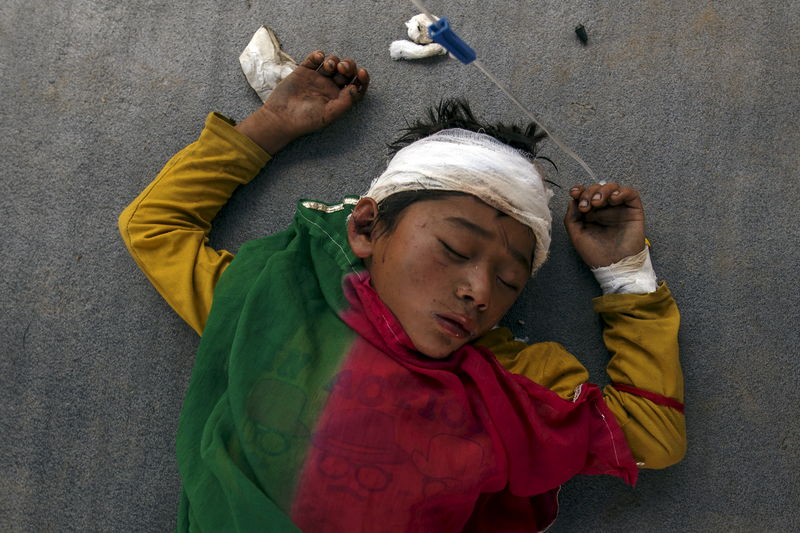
441,33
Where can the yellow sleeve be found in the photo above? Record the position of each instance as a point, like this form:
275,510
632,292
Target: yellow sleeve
547,363
166,227
641,332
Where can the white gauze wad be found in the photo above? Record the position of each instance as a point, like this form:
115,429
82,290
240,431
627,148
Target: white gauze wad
476,164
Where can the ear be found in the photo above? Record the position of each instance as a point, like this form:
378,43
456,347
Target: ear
360,227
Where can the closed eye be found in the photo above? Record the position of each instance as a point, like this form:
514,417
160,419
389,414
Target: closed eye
452,252
507,284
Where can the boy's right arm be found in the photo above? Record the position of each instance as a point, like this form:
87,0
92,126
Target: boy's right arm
166,227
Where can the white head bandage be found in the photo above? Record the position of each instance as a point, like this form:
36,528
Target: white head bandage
476,164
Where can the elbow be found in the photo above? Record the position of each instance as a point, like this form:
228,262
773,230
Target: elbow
665,457
123,225
656,433
139,232
666,450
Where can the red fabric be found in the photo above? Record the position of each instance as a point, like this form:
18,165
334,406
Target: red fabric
409,443
652,396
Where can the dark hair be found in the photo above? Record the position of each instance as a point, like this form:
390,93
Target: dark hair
451,113
456,113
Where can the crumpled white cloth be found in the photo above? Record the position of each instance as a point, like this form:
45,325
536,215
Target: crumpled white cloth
264,63
420,44
418,28
631,275
407,50
476,164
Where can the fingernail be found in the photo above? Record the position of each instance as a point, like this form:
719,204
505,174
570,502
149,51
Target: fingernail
583,203
597,196
574,189
615,193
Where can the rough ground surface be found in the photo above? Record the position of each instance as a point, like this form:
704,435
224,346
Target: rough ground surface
694,103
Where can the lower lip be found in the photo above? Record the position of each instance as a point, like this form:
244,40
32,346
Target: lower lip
451,327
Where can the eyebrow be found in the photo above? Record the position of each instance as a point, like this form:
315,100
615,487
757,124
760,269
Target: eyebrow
486,234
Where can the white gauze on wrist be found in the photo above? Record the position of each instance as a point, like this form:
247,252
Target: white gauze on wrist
631,275
476,164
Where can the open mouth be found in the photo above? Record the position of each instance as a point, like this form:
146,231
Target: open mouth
452,327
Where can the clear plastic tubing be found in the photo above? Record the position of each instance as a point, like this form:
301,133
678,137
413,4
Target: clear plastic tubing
567,150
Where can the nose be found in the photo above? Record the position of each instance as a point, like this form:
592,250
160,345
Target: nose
476,289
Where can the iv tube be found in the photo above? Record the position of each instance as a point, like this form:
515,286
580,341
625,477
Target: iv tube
530,115
524,109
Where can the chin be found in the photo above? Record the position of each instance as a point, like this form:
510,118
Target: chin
436,355
437,352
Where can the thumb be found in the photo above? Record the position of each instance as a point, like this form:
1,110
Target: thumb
574,221
572,218
348,95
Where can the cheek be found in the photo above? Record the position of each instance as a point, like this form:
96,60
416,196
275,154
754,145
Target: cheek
421,265
432,272
410,266
504,303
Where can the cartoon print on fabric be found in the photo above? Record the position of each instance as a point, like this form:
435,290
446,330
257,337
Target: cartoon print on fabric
388,441
276,424
440,476
351,460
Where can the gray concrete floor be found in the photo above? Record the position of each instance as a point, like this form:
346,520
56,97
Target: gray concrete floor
694,103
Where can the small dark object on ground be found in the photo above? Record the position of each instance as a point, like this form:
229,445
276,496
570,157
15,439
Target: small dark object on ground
580,31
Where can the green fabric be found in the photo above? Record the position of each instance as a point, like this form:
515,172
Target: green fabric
272,343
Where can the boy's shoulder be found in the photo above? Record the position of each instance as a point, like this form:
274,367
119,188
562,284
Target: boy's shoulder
547,363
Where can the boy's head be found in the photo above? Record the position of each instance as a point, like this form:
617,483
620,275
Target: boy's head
453,151
455,226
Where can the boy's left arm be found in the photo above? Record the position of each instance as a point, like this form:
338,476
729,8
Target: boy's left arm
605,223
646,394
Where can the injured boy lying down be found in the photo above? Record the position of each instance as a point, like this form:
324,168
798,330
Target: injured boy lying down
350,375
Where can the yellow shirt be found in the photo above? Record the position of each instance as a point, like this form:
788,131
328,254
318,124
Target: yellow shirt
166,231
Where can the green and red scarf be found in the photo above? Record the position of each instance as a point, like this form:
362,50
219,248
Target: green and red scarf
309,409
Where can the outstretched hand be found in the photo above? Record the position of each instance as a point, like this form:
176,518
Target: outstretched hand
605,223
320,90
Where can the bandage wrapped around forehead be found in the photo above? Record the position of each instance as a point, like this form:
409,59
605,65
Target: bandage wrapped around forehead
476,164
